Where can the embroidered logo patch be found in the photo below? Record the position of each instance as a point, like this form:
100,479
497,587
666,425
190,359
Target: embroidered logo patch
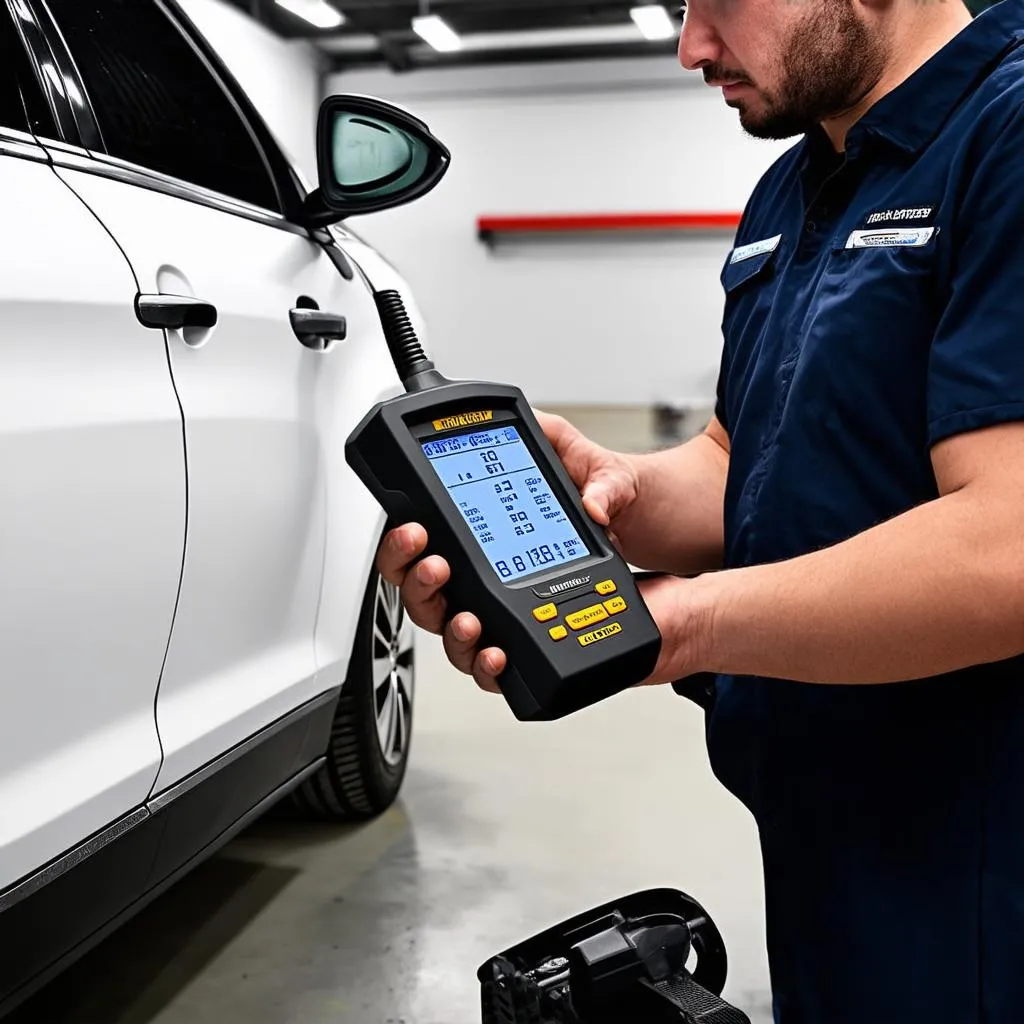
899,216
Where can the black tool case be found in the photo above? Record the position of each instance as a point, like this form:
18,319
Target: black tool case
627,962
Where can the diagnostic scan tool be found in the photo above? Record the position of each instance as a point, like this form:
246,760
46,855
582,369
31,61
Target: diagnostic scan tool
469,461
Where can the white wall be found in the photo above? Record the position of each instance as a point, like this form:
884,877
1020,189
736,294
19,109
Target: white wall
282,78
592,323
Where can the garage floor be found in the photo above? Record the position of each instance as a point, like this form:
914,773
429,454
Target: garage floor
502,829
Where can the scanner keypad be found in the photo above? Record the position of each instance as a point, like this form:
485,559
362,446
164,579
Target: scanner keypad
587,617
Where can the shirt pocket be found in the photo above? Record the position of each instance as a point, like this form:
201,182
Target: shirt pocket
867,338
750,288
734,275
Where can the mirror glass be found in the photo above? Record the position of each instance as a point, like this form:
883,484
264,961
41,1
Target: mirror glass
370,155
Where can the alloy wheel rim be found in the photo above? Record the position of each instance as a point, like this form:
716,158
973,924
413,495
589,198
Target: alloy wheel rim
392,672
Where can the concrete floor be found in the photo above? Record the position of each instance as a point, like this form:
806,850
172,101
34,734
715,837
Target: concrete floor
502,829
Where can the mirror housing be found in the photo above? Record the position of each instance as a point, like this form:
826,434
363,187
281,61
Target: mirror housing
371,156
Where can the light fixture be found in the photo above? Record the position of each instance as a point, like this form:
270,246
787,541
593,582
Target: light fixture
436,32
653,21
316,12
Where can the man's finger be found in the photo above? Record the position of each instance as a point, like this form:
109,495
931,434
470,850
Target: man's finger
558,430
488,666
596,502
460,640
398,550
421,593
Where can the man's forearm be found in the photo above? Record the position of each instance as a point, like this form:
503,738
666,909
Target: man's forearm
676,525
937,589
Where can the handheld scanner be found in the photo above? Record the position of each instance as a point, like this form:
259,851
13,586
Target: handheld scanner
468,460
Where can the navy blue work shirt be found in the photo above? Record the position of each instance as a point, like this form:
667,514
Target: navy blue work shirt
875,307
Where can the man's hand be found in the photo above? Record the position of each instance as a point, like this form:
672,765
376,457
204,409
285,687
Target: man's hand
608,481
420,583
662,511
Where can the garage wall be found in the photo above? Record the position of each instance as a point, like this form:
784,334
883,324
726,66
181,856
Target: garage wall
592,323
282,78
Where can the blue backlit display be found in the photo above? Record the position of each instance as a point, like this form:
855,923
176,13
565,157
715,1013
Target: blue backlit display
501,493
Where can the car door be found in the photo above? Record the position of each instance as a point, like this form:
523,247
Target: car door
187,192
92,514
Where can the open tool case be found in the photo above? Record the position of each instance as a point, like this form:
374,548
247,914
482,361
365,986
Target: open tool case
628,962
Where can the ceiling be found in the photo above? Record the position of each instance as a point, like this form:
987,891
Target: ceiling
379,32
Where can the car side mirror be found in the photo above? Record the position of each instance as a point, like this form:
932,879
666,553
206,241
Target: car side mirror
371,156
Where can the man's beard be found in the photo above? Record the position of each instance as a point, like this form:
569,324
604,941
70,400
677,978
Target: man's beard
831,62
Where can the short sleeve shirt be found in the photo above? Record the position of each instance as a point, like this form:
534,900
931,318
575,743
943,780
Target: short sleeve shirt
874,308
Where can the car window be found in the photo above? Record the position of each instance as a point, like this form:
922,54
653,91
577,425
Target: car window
12,113
156,100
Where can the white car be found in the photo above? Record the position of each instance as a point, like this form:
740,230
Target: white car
190,623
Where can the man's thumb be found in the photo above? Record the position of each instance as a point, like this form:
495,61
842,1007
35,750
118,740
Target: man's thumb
597,502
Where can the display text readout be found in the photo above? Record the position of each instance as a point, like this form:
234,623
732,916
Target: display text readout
498,488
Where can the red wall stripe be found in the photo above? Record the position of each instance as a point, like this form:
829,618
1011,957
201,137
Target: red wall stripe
608,222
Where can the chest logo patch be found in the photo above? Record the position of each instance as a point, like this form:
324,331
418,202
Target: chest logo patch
890,237
746,252
898,216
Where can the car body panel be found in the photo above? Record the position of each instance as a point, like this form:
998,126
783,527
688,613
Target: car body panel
242,651
92,524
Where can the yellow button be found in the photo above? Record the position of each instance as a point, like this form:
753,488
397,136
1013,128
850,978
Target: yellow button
558,632
615,605
545,613
599,634
606,588
587,617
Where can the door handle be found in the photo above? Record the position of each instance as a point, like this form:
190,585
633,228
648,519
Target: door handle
316,329
174,312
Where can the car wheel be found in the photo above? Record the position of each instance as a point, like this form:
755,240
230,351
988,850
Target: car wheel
369,748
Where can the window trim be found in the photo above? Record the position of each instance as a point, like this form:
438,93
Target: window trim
37,112
89,134
76,158
279,166
99,161
21,145
12,46
36,44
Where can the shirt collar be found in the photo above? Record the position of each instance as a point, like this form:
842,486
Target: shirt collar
912,114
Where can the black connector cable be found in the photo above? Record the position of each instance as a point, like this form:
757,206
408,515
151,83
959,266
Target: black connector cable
415,370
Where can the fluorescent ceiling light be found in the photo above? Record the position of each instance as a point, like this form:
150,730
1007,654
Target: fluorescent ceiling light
316,12
436,32
586,35
353,43
652,20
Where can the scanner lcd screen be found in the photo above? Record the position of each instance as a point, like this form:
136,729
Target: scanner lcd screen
506,501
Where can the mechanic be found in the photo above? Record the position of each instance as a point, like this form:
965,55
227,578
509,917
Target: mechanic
861,490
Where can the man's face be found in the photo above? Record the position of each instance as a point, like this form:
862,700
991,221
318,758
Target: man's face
785,65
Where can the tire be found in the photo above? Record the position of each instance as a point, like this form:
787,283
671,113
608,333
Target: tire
370,738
